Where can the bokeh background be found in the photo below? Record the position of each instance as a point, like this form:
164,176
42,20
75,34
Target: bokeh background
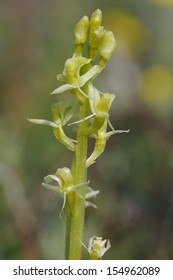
134,175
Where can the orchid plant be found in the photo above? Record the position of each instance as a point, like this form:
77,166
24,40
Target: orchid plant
90,114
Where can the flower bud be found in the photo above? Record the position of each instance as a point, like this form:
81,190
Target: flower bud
107,45
96,19
81,31
95,37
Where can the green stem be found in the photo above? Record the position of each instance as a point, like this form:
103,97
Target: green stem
75,217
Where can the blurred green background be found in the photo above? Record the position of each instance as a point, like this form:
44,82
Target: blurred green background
134,175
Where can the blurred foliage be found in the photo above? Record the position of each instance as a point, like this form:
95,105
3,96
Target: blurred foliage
135,205
131,35
155,88
164,3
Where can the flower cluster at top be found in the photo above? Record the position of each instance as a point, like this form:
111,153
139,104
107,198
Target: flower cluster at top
92,44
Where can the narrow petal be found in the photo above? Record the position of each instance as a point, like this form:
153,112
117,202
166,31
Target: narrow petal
110,133
90,204
84,119
43,122
63,88
92,194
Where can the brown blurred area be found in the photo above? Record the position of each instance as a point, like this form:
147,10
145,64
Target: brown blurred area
135,173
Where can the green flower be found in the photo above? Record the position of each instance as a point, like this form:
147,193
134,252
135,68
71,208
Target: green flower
62,112
100,105
64,179
100,142
75,81
62,184
98,247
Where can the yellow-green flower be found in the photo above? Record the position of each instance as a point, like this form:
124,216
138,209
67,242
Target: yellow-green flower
98,247
76,80
100,142
62,112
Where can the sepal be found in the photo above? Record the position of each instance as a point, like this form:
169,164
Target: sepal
43,122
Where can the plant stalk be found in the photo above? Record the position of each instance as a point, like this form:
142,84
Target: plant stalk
75,217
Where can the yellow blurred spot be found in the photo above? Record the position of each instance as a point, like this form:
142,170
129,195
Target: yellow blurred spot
156,86
130,34
162,2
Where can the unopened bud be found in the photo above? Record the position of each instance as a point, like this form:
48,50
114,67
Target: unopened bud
107,45
95,37
96,19
81,31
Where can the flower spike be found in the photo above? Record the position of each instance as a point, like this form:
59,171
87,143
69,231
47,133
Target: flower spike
89,109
